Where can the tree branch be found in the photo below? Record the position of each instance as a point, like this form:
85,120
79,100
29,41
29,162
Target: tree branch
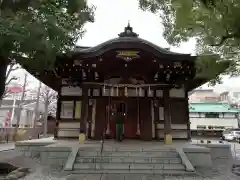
228,35
16,68
9,70
223,39
10,80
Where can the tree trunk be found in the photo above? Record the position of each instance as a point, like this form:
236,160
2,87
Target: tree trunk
45,123
37,105
3,70
19,108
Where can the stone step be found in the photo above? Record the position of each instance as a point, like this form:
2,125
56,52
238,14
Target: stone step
127,149
137,172
132,154
122,176
128,167
129,160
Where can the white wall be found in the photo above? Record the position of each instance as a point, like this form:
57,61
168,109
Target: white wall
175,134
71,91
226,122
179,131
229,115
70,129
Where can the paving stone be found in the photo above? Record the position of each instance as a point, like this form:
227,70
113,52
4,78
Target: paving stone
142,160
113,166
116,159
94,177
115,154
175,161
85,153
141,166
76,177
151,177
158,166
117,149
113,177
133,177
136,160
173,167
85,160
109,159
85,166
160,160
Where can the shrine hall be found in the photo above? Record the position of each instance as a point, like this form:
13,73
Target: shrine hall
149,82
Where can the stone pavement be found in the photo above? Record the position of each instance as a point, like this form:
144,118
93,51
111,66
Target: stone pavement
142,177
53,173
7,146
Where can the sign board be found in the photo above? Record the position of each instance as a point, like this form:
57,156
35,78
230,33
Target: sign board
128,55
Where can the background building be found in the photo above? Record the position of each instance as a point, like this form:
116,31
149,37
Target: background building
211,118
199,95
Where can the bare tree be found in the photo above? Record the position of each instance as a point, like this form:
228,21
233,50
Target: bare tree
19,108
12,67
36,114
49,99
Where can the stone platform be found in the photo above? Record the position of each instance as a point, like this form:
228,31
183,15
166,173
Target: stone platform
127,157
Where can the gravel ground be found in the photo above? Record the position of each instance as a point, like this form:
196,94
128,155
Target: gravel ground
220,172
38,172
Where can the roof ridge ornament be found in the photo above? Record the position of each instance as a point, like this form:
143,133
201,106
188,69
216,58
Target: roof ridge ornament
128,32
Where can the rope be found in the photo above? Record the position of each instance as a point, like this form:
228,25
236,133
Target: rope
125,85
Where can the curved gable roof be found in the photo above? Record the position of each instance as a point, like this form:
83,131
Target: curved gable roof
129,40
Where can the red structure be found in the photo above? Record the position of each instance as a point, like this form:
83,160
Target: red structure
14,89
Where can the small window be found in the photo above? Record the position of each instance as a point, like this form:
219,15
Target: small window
212,115
14,125
218,127
201,127
67,109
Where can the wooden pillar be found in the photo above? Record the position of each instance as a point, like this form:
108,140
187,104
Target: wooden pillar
84,114
145,119
89,120
156,116
167,117
100,118
188,119
138,118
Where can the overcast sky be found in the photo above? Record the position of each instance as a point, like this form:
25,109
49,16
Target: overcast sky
112,16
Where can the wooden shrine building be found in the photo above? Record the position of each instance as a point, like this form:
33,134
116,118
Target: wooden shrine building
149,82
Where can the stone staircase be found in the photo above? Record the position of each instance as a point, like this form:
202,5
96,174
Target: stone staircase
117,161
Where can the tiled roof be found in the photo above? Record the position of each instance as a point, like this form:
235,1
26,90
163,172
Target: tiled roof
212,107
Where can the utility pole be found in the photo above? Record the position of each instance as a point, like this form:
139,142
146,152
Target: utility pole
19,110
37,105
